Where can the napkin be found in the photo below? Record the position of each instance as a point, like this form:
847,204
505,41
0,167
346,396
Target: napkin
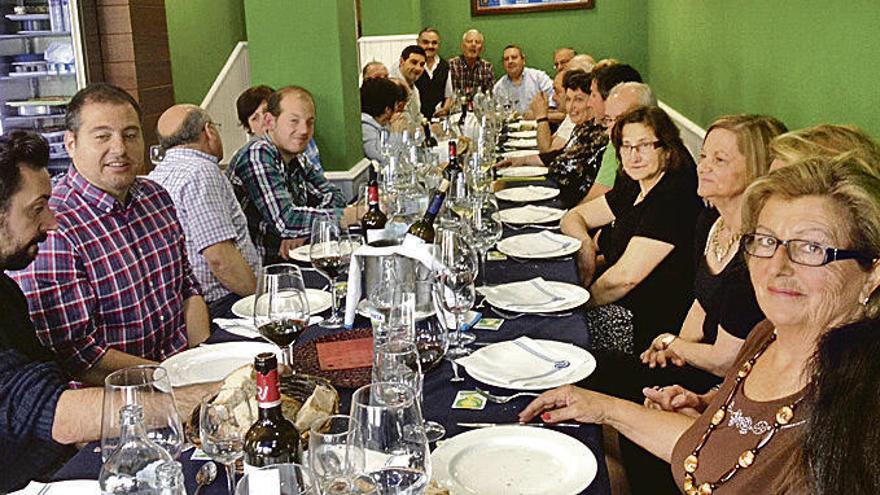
506,362
522,143
419,252
529,193
537,244
532,293
76,487
530,214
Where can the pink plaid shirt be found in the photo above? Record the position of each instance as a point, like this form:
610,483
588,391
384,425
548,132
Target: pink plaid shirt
113,276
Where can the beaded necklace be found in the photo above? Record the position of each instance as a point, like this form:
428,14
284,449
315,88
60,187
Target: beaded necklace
720,251
784,415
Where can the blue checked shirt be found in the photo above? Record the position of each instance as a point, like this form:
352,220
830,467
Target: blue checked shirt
532,82
207,210
312,154
279,199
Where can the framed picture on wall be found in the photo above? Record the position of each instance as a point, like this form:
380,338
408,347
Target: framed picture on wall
486,7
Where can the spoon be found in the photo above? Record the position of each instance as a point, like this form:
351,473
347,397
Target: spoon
206,475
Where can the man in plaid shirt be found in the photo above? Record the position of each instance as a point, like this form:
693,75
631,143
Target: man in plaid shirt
222,256
470,73
279,191
111,286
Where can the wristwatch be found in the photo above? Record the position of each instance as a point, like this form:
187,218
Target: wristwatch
668,339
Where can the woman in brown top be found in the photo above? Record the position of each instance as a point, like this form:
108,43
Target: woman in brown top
812,235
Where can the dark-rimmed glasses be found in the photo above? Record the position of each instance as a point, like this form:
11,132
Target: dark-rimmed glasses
642,148
799,251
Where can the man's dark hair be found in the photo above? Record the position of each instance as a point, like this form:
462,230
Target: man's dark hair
404,55
273,104
97,93
189,131
428,30
612,75
577,80
19,149
249,101
518,48
379,94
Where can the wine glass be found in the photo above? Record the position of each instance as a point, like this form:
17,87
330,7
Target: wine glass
389,426
457,199
222,427
330,253
333,460
483,230
381,296
280,479
454,285
149,387
281,307
401,323
432,342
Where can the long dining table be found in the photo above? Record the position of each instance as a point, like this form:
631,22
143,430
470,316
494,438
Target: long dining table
439,391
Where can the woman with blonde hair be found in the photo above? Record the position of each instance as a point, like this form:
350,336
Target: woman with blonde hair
826,140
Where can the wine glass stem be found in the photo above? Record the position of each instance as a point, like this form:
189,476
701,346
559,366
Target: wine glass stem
459,327
230,478
334,315
483,254
287,357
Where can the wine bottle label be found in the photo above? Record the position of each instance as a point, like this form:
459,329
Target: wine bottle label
435,205
373,195
374,235
267,390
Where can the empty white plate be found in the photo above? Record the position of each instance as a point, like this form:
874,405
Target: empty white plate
319,301
523,134
522,215
505,460
522,143
525,171
520,153
539,245
527,194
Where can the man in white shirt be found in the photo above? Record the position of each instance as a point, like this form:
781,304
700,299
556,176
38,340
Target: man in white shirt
435,86
521,83
409,69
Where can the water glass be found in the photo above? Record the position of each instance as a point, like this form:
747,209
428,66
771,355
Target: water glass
222,427
149,387
334,461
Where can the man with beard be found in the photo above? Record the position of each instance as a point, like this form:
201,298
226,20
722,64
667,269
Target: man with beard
113,286
40,418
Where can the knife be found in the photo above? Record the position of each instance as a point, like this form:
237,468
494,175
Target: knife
539,425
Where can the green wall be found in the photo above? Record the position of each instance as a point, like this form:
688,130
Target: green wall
312,43
614,28
805,62
386,17
201,35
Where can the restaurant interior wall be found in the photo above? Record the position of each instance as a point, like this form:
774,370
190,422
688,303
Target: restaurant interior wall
805,62
312,45
201,35
614,28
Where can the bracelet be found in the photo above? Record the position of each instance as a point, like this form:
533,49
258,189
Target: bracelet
542,119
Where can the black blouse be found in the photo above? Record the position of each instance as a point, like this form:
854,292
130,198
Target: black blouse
727,297
667,214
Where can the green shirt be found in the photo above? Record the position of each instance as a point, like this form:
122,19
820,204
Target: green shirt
608,170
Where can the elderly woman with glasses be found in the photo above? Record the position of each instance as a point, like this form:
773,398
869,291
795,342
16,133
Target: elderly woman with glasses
644,253
812,240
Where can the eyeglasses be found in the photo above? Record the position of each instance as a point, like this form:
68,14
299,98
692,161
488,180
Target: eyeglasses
799,251
642,148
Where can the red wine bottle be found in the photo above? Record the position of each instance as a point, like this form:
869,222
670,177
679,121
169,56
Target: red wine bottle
453,168
373,221
422,230
272,439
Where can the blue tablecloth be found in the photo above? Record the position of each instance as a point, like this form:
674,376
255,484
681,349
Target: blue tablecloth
439,391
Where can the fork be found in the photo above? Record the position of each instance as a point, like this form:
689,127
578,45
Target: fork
504,399
532,226
513,316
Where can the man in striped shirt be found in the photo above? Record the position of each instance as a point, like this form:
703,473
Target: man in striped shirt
112,286
280,192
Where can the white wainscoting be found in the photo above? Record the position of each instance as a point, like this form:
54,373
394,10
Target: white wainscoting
385,49
234,78
691,133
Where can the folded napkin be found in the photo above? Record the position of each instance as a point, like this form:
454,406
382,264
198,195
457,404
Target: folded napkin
537,244
423,253
530,214
71,487
510,363
528,193
534,293
522,143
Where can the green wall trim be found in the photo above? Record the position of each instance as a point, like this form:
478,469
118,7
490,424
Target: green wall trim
201,35
312,44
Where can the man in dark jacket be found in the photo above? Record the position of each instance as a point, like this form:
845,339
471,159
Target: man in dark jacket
435,86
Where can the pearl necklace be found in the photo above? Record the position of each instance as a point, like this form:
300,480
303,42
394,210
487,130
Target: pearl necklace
718,250
784,415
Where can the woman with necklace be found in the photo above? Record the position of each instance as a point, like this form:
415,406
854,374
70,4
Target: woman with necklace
812,241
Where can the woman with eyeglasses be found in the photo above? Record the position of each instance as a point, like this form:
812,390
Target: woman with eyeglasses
640,269
777,424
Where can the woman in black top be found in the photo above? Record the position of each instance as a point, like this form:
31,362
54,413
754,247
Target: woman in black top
647,237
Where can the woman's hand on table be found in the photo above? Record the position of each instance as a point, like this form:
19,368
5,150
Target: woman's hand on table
660,353
675,398
568,403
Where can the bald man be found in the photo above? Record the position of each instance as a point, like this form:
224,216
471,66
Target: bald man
219,247
468,72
